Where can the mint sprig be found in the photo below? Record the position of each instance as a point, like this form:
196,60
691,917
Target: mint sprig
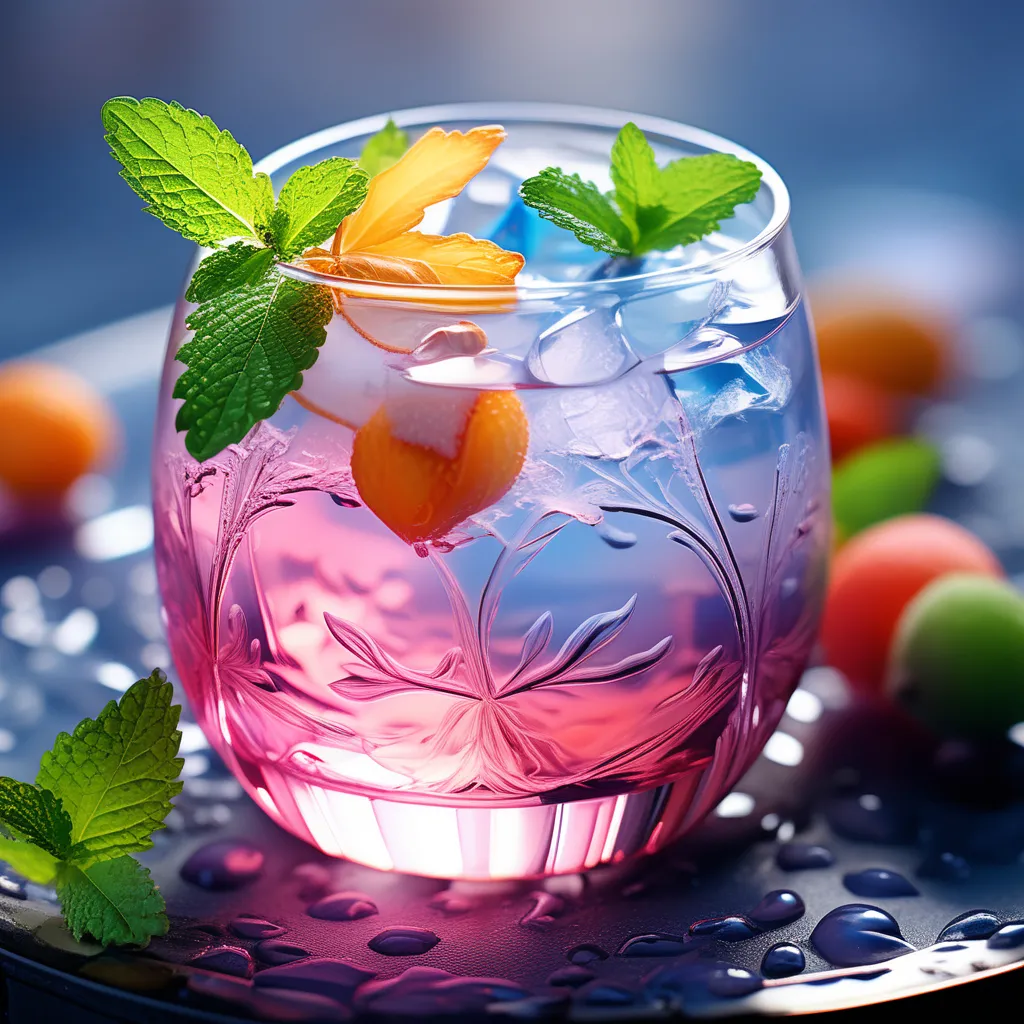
100,794
384,149
651,208
196,178
255,331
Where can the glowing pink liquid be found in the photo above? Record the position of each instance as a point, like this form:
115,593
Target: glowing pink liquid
373,696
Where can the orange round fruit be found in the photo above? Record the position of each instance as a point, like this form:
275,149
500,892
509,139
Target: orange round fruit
421,492
882,342
877,573
55,427
858,413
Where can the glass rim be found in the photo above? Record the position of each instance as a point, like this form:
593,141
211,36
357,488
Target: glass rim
535,112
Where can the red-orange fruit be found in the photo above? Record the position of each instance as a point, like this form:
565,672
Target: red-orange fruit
881,341
858,414
874,577
55,427
421,493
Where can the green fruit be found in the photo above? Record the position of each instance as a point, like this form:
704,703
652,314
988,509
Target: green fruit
887,479
957,660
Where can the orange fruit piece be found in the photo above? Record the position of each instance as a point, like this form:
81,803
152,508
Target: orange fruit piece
422,492
877,340
55,427
859,413
877,573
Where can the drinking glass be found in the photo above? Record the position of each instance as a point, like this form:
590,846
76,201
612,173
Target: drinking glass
601,567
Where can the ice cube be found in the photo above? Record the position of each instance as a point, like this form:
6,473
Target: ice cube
607,421
750,381
585,347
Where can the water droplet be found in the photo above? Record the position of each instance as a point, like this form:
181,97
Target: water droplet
858,934
324,976
732,982
570,977
778,907
343,906
586,953
451,902
743,513
268,1004
727,929
605,993
803,857
945,867
547,906
614,537
868,819
344,501
250,926
229,864
878,883
1010,936
400,941
783,961
273,952
426,992
225,960
656,945
975,924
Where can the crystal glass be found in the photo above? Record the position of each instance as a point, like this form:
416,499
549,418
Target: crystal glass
606,496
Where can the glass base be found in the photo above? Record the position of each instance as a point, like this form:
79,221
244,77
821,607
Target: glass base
476,843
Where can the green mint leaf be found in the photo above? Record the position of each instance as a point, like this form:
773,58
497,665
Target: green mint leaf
36,815
116,774
579,206
314,201
29,860
384,149
699,193
639,188
224,269
196,178
250,347
114,902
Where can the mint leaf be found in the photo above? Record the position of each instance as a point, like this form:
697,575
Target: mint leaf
639,188
29,860
116,774
196,178
314,201
579,206
224,269
114,902
651,208
36,815
699,192
250,347
384,149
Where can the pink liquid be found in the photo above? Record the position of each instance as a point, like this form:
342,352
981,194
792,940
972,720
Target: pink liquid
574,676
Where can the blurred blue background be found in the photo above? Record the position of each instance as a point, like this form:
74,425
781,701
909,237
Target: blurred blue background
841,96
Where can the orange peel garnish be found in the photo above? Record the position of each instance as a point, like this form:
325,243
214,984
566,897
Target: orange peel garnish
378,242
420,493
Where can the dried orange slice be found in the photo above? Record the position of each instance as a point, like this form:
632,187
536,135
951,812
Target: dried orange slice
475,448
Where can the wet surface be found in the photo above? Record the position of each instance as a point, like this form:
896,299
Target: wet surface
768,888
